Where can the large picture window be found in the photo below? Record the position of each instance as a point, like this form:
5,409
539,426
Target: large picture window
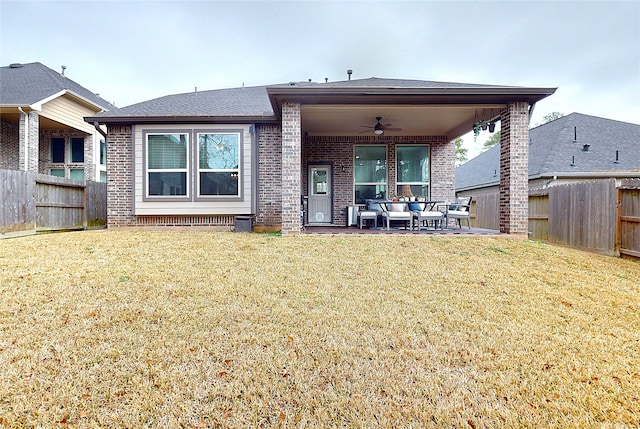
412,170
370,172
218,164
167,164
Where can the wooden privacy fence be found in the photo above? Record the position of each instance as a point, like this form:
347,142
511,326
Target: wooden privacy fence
596,215
33,202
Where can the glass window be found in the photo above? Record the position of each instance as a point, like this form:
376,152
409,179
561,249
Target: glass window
58,172
76,173
57,150
370,172
218,164
412,170
77,149
103,152
103,176
167,164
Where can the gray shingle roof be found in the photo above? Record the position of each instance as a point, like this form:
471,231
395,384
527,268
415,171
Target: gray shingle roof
552,149
27,84
375,82
245,101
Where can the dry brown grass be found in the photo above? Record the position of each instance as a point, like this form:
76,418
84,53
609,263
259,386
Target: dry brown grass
201,329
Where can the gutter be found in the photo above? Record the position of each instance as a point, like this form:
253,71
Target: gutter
98,129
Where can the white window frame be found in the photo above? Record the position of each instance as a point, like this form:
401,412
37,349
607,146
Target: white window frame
237,171
185,170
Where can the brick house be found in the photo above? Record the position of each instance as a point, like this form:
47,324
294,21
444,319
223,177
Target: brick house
42,127
202,158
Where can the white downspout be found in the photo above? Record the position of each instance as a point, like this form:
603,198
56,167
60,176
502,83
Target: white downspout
26,139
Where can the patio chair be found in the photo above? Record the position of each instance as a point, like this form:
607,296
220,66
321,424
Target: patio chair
460,210
371,212
424,213
396,212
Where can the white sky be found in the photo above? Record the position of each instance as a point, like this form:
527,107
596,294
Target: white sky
133,51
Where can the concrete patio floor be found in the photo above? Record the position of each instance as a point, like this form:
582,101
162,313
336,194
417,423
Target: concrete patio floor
452,230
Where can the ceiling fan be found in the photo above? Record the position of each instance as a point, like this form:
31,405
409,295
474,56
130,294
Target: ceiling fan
379,128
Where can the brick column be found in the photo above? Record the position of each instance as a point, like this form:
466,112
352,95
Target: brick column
291,173
29,142
514,169
120,176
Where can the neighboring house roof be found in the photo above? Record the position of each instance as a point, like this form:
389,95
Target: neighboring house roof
556,145
264,102
29,85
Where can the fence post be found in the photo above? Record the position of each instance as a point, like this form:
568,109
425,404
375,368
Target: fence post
84,206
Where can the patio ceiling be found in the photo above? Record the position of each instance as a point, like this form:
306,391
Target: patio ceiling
449,120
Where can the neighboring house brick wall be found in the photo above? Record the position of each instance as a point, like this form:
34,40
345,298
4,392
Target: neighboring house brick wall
270,174
291,163
120,176
9,145
28,155
514,169
45,164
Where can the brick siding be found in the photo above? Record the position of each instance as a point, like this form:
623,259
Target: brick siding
120,176
29,156
9,145
514,165
270,174
291,163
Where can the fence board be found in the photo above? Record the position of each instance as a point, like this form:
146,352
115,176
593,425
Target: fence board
17,211
37,202
629,218
596,215
484,211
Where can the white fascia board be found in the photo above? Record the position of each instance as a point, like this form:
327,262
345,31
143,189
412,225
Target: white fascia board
38,105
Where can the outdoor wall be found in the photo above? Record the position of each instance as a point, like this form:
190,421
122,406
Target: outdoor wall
44,159
339,151
514,164
270,174
120,176
9,144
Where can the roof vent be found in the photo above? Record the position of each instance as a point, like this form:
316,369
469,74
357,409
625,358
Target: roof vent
15,65
585,147
349,73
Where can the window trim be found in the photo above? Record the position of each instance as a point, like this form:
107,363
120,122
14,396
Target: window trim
196,163
386,160
71,139
64,150
192,170
427,183
146,170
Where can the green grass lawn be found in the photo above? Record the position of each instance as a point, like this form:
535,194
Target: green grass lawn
165,329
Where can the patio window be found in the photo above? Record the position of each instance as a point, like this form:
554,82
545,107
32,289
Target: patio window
370,172
167,164
412,170
76,145
57,150
218,166
103,152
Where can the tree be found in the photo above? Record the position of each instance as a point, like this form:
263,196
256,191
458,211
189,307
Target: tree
550,117
461,153
492,141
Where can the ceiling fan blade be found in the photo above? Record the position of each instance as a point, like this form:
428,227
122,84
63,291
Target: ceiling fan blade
392,129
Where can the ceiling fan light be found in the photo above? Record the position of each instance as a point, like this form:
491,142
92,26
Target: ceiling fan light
378,131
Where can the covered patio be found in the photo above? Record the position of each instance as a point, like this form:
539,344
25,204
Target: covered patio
346,142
